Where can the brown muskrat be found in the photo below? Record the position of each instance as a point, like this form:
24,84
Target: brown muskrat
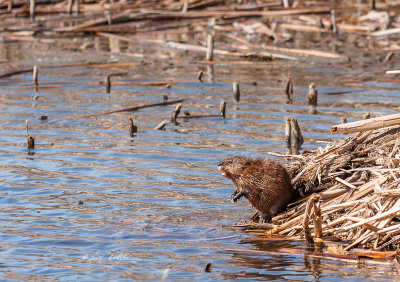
265,183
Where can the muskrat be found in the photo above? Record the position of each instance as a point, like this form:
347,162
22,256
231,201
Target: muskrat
265,183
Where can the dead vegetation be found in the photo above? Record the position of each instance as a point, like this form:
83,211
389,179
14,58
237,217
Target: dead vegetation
354,186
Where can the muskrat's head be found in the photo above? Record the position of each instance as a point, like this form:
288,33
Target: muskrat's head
233,167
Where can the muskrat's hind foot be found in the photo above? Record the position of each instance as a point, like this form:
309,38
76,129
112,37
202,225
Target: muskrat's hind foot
265,219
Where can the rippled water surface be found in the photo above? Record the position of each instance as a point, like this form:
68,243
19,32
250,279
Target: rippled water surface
90,202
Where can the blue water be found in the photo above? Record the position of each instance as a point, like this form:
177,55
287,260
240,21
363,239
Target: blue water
90,203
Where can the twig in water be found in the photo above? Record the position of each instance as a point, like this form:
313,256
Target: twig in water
161,125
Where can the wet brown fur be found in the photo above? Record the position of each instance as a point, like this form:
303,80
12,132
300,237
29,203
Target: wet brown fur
265,183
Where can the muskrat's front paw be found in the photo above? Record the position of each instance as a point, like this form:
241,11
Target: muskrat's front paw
233,199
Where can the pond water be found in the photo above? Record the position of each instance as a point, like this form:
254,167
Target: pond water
90,202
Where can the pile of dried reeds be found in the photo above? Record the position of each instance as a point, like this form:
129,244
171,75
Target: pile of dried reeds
354,186
358,202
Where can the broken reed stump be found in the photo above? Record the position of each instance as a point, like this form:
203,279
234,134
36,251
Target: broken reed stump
367,116
185,6
307,215
372,5
343,120
200,76
222,108
288,135
289,91
236,91
333,22
298,136
32,8
35,76
175,114
210,47
107,82
69,6
312,95
29,139
132,128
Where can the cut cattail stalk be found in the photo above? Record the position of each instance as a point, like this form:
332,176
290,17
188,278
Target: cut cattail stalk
210,47
312,98
185,6
30,140
175,113
289,90
161,125
200,75
107,82
306,219
77,7
35,76
373,6
222,108
317,218
69,6
298,137
288,135
343,120
236,91
132,128
32,8
333,22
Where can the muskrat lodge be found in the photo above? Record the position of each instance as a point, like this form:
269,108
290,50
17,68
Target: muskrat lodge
350,194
